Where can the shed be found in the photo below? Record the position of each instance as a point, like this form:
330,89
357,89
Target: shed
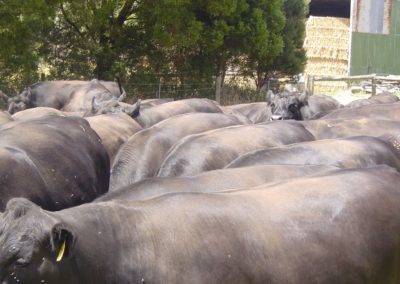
373,36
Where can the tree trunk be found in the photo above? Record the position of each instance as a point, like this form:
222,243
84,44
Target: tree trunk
103,67
104,59
261,80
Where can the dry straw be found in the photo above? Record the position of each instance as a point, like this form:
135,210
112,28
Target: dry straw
327,47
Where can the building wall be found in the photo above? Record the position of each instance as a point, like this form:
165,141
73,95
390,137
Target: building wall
375,40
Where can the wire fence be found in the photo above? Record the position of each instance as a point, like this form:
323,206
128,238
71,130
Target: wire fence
370,83
236,90
231,93
160,90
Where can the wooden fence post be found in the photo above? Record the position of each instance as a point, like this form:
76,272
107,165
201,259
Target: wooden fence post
373,81
159,89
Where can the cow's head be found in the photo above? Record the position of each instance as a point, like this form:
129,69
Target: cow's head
114,106
287,105
33,244
132,110
20,102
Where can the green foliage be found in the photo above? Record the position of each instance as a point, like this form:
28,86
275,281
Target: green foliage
293,58
204,38
101,35
142,40
21,39
282,53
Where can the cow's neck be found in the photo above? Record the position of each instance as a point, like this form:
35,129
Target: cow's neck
104,249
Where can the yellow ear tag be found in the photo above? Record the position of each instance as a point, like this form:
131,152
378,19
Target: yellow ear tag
61,252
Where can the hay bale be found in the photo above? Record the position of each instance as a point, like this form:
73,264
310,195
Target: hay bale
327,47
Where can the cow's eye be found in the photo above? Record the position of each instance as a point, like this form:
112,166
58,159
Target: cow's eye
22,262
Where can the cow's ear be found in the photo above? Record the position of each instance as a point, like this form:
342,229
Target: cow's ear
18,207
135,110
29,94
94,81
270,97
95,106
122,97
62,242
304,98
11,108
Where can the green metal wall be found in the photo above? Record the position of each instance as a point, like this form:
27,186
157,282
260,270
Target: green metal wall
377,53
373,53
396,17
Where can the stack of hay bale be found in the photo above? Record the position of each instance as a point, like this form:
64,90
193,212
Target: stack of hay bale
327,47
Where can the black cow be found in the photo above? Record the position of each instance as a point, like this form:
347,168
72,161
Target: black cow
37,112
216,148
287,105
56,162
148,103
212,181
155,114
300,106
94,98
340,227
376,111
318,106
114,130
141,156
384,98
342,128
253,112
5,117
354,152
55,94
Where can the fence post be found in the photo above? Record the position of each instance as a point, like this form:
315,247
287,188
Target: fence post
310,84
348,83
159,88
373,81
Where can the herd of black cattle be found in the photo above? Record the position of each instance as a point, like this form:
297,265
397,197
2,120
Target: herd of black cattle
297,189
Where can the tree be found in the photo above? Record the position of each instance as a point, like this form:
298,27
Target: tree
225,34
23,25
293,57
213,33
95,35
286,56
197,40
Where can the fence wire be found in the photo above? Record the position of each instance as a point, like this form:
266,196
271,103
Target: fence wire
170,86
